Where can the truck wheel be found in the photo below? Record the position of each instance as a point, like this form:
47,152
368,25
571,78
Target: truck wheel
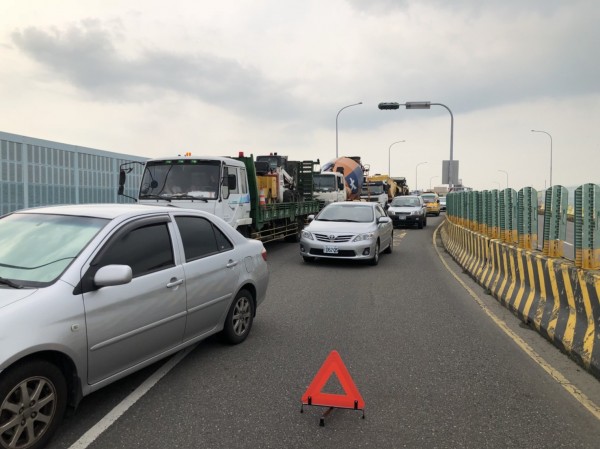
33,398
295,238
239,318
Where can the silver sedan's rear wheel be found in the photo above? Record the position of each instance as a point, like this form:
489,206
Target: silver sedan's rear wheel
33,398
239,319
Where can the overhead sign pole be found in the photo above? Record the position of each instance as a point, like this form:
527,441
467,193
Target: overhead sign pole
427,105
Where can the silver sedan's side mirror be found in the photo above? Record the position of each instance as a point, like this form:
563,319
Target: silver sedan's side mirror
113,275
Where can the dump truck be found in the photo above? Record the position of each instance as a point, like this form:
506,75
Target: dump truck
267,199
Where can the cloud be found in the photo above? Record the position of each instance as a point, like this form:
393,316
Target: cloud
87,57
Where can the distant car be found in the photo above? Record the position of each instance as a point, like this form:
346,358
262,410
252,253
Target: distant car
91,293
443,203
432,201
348,230
408,210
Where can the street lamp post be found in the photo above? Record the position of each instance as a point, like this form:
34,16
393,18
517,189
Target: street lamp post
427,105
548,134
390,156
336,126
506,173
431,179
416,173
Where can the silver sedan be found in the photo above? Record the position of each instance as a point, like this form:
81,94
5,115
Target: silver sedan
348,230
91,293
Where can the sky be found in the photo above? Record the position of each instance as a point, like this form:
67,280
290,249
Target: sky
155,78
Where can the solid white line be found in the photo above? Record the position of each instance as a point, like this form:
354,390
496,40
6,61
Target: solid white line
579,396
94,432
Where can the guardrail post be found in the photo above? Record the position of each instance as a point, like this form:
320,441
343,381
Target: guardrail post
527,218
483,220
587,231
510,216
555,221
493,215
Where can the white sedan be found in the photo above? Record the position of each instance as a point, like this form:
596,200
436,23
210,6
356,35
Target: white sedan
348,230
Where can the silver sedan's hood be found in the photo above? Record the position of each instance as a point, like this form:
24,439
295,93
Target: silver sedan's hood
9,295
340,226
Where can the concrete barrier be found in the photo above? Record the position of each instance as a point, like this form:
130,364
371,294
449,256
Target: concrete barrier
559,300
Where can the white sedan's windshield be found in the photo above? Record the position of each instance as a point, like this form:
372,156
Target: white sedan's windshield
36,248
356,213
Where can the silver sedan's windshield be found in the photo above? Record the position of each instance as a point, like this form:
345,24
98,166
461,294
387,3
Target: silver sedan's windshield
405,202
36,248
335,212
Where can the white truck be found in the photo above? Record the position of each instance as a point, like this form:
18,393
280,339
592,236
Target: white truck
329,187
374,191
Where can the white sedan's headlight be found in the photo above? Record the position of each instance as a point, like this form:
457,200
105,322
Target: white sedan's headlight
361,237
307,235
415,212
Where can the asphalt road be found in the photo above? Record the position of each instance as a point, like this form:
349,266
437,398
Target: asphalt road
434,370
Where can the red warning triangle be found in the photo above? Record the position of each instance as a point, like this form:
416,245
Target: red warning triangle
333,364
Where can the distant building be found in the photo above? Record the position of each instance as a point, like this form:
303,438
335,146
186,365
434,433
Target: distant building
35,172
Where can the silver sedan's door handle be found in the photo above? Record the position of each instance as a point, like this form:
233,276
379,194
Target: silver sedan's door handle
174,282
231,263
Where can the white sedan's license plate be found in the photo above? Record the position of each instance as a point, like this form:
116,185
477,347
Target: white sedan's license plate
330,250
401,217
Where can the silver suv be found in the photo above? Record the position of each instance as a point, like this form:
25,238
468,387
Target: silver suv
91,293
408,210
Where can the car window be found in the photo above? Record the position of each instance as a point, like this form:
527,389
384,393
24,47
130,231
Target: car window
145,249
201,238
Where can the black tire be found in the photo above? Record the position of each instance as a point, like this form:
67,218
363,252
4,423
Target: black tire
390,247
239,318
308,259
46,398
375,259
422,222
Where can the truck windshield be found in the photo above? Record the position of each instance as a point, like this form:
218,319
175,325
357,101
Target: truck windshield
324,183
181,178
372,190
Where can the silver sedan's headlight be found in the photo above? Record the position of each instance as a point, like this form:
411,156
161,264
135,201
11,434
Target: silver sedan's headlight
415,212
307,235
361,237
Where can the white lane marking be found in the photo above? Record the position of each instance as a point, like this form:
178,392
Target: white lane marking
590,405
90,436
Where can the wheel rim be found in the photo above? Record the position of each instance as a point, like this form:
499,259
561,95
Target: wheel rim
242,314
27,412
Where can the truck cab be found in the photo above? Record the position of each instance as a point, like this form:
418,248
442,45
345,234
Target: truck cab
375,191
329,187
217,185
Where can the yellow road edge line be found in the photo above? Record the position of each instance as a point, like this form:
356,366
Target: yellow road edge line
553,372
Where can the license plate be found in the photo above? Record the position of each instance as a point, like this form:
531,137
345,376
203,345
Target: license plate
401,217
331,250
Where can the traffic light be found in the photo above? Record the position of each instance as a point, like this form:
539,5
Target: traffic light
389,105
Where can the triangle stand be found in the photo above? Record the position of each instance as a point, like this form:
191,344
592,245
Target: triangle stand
315,397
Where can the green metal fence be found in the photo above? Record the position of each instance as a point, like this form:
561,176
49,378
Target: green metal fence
512,217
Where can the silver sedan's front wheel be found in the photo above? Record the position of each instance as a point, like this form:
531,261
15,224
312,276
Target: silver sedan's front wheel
33,401
239,319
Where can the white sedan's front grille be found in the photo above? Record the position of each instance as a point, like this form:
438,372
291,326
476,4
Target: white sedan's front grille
333,238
